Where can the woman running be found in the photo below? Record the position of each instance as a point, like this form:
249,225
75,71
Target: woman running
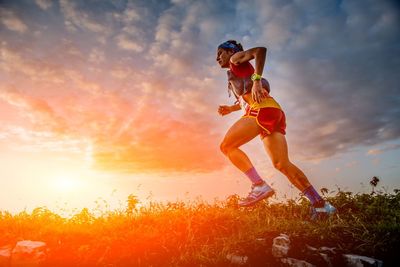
263,116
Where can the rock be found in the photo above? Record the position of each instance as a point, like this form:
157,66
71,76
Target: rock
280,246
310,248
361,261
5,255
326,250
295,263
322,255
28,253
237,259
261,240
327,259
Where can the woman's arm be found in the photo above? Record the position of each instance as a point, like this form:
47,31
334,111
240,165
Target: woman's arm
259,54
225,110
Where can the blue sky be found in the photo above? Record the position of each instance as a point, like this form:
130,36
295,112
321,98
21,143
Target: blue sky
133,86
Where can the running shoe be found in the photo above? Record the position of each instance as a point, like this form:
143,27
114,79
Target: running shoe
322,212
257,193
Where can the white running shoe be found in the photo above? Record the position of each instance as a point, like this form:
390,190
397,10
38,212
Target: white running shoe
322,212
257,193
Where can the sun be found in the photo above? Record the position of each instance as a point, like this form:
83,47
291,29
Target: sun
65,183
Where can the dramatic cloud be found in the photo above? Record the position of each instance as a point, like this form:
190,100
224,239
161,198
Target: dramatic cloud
138,80
337,72
157,145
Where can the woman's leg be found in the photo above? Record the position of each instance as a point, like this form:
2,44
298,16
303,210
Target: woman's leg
276,146
243,131
240,133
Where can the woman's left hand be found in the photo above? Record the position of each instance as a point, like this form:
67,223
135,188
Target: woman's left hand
258,92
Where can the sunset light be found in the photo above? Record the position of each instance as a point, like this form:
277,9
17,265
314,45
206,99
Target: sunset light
94,96
65,183
194,132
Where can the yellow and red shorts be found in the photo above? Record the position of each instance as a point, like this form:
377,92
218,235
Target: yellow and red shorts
270,119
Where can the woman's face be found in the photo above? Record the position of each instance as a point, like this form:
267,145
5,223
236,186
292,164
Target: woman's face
223,57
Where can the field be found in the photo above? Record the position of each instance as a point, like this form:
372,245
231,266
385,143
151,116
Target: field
202,234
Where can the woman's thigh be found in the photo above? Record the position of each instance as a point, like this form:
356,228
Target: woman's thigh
241,132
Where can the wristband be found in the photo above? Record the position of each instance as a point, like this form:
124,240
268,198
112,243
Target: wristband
255,77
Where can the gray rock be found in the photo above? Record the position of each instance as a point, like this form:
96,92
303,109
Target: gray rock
324,253
310,248
280,246
361,261
291,262
326,250
327,260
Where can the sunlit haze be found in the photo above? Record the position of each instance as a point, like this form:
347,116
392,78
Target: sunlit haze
103,99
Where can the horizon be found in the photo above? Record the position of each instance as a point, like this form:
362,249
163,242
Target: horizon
103,99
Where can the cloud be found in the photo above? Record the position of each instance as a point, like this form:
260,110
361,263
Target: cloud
38,141
336,75
78,18
385,148
44,4
45,71
153,142
183,37
96,56
134,23
14,62
9,19
156,85
37,110
124,42
131,14
126,136
374,152
84,84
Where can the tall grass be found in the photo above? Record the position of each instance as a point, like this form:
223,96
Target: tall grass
202,234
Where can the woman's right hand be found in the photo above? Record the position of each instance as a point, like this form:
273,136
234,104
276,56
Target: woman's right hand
224,110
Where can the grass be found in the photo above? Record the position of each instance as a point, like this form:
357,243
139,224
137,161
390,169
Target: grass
203,234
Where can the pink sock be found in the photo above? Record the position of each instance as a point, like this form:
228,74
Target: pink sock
254,176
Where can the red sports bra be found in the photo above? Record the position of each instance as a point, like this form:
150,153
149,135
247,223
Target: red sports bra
239,79
243,70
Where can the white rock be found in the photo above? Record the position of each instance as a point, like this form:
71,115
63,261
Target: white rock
310,248
321,249
5,255
280,246
28,253
358,261
237,259
327,250
291,262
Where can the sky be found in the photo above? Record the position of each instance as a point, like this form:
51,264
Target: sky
102,99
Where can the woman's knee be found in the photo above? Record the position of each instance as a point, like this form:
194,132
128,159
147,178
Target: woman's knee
225,147
281,165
